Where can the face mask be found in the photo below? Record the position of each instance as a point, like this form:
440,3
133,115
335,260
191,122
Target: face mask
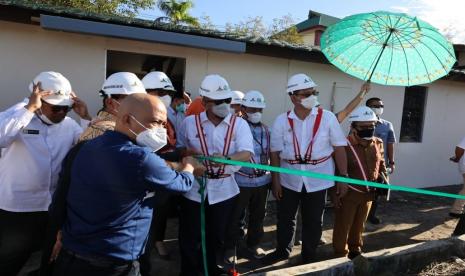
166,100
154,138
309,102
378,111
181,108
221,110
366,134
254,118
232,111
44,118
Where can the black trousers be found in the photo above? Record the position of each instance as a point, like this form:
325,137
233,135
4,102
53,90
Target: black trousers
21,233
166,206
254,201
311,206
216,220
70,264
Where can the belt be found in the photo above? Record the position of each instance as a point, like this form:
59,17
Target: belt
97,260
308,162
216,176
254,175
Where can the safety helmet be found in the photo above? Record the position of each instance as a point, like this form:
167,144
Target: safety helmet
58,84
157,80
299,82
254,99
122,83
237,97
215,87
362,114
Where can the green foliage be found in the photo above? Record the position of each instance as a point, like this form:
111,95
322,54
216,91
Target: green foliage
128,8
177,12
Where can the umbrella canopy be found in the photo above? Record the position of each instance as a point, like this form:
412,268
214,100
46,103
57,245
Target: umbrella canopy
388,48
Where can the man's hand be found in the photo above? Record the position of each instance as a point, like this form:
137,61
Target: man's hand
277,190
392,167
341,191
35,99
80,107
192,165
217,155
56,248
366,87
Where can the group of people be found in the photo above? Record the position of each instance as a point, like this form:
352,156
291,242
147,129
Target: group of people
96,196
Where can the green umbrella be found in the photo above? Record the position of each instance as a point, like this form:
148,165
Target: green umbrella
388,48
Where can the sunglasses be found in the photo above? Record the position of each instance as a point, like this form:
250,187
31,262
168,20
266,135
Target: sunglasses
160,93
218,102
377,106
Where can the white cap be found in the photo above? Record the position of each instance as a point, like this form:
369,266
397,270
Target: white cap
237,97
157,80
299,82
254,99
122,83
58,84
362,114
215,87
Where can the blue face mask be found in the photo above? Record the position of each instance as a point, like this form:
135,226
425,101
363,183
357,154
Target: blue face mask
181,108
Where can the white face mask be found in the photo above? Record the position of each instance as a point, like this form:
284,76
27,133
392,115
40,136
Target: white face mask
44,118
154,138
166,100
254,118
221,110
309,102
378,111
232,111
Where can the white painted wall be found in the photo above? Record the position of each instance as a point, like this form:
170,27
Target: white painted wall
27,50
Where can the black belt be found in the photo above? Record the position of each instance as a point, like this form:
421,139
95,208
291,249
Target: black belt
97,260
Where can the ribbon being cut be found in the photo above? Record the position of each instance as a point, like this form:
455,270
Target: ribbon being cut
331,177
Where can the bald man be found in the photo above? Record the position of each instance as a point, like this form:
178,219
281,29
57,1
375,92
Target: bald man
111,185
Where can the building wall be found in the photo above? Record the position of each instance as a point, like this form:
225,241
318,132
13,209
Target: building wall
27,50
308,37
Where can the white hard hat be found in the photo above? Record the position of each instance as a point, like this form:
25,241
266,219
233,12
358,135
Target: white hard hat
299,82
237,97
122,83
58,84
362,114
215,87
254,99
157,80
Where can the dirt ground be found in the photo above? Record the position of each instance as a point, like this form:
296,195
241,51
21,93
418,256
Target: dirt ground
406,219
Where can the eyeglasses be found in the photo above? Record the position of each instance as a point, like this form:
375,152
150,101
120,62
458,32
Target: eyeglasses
218,102
160,92
377,106
306,94
58,108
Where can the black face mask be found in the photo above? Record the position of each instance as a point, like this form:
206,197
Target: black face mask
366,133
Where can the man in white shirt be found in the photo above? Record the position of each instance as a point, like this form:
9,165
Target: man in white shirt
214,132
35,136
304,138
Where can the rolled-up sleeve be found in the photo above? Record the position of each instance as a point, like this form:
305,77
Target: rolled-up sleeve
11,122
157,175
337,137
277,135
391,134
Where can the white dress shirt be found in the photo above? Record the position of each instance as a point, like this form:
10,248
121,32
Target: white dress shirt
329,135
218,190
32,153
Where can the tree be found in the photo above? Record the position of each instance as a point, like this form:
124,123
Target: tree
110,7
282,29
177,12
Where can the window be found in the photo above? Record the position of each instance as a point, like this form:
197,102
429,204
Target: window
413,114
141,64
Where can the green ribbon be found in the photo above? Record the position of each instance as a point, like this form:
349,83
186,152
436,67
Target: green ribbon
203,183
330,177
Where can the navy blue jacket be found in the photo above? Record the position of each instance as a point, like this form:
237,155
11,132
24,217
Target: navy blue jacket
109,206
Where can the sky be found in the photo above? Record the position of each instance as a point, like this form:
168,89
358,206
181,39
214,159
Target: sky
448,15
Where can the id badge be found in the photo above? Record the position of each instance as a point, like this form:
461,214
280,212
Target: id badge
263,159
